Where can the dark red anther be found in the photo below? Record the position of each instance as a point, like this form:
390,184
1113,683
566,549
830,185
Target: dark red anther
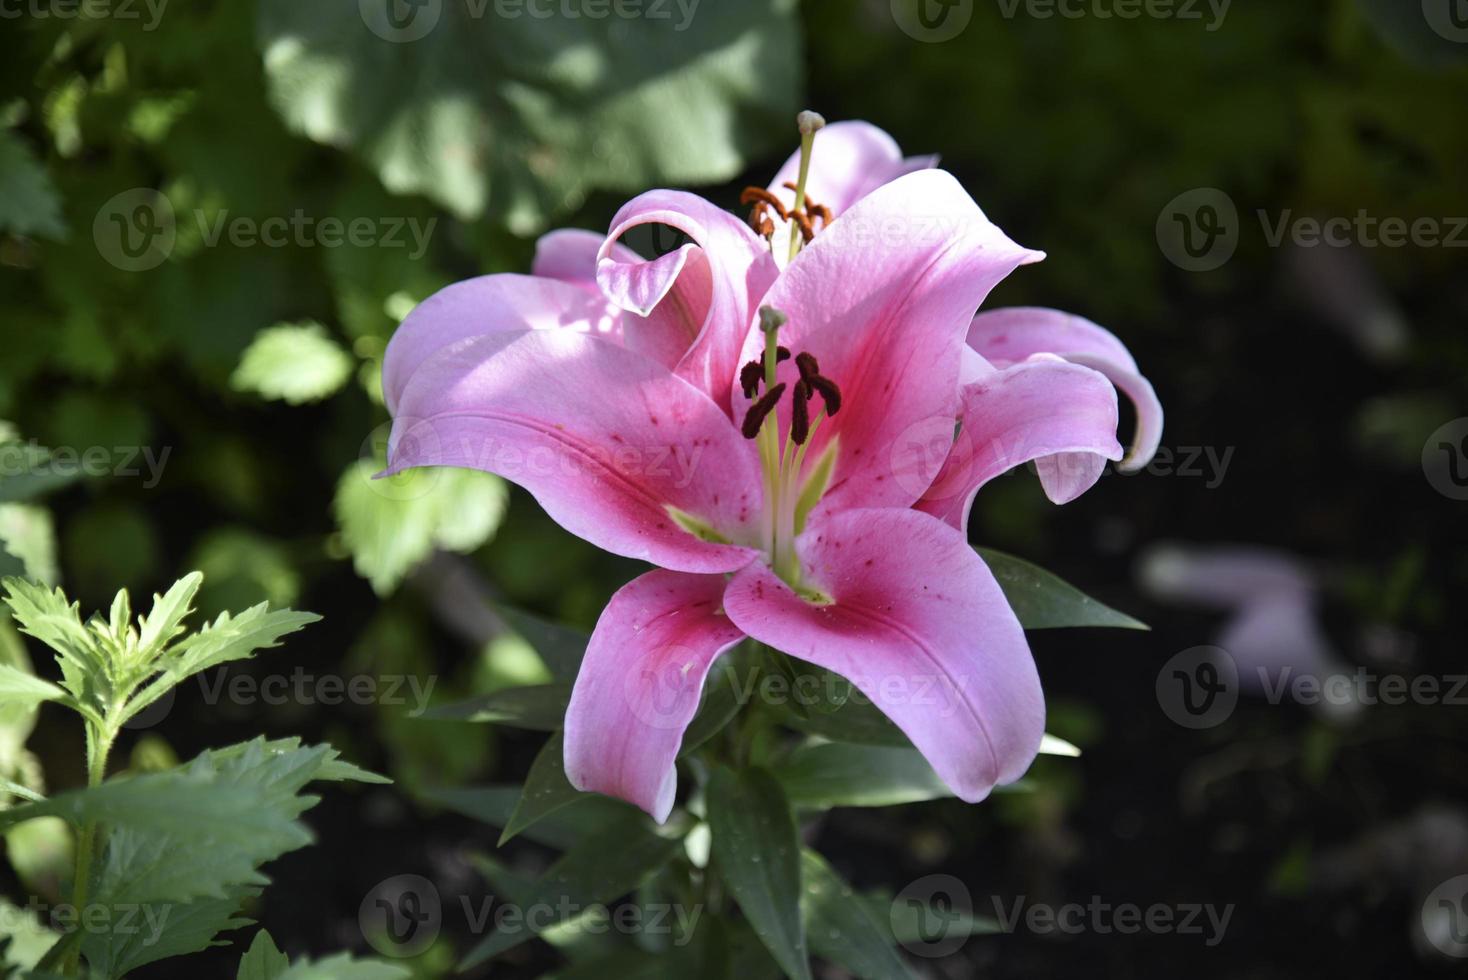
806,231
755,417
782,354
830,394
749,378
811,377
800,414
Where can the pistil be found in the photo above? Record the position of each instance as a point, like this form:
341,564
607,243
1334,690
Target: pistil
788,498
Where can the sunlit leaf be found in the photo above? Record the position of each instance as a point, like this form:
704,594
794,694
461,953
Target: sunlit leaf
293,362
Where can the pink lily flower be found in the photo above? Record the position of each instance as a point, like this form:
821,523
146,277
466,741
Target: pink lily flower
777,441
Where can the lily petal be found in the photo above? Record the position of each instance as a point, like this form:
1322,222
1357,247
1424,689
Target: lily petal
695,304
1061,415
639,686
917,623
569,254
1011,335
883,300
616,449
484,305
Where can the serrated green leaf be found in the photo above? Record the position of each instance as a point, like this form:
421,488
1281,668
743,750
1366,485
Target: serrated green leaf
605,865
834,774
842,927
139,935
757,853
262,961
344,967
164,621
537,707
229,638
617,103
293,362
46,615
1041,600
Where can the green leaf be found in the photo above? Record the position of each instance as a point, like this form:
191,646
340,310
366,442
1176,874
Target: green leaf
262,961
293,362
1043,601
538,707
561,647
560,829
393,524
163,623
546,788
45,614
534,113
756,851
28,472
227,639
858,721
20,688
607,864
832,774
159,931
842,927
721,702
29,204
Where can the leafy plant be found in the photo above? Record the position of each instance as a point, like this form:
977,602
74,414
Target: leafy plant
754,902
165,860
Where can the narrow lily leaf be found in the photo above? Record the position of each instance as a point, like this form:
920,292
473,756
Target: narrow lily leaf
842,926
20,688
721,702
1043,601
560,647
857,721
560,829
538,707
756,850
911,920
601,868
834,774
546,789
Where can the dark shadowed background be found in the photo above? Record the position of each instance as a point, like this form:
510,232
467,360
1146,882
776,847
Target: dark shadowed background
1267,201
